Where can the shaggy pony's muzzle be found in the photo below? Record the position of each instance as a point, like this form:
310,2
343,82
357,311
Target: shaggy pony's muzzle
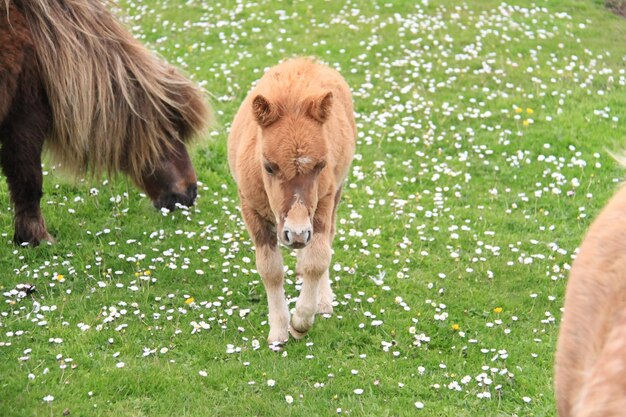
172,182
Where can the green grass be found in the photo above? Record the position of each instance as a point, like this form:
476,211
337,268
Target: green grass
455,205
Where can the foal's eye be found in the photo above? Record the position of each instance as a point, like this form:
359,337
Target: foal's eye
320,166
270,168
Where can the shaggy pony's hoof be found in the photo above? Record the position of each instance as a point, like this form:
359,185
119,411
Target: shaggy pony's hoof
31,232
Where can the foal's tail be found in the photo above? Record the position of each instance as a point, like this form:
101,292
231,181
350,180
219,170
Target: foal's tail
115,105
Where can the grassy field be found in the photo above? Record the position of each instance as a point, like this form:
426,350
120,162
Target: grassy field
483,155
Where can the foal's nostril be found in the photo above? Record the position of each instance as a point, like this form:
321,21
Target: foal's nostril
296,239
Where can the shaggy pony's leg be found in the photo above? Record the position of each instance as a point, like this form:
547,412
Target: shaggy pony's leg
7,90
22,135
269,264
11,59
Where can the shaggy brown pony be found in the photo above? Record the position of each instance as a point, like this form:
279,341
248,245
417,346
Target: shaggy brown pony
290,150
72,75
590,374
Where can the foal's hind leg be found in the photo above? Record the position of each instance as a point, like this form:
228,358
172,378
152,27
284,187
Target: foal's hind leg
22,135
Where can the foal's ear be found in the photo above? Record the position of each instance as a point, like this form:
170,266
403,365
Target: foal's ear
319,107
265,112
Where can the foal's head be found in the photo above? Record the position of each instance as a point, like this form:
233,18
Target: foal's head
172,180
294,154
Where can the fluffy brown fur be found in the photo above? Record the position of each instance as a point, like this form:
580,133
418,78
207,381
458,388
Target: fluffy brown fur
72,76
290,150
292,89
115,105
591,351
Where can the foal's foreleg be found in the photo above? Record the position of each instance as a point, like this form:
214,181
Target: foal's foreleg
22,135
313,263
325,305
269,264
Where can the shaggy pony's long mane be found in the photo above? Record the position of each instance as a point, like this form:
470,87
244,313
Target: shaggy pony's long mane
115,105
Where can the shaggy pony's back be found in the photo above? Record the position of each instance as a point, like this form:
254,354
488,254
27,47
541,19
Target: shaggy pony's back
115,105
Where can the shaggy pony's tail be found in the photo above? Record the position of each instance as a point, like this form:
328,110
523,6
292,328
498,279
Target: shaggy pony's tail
115,105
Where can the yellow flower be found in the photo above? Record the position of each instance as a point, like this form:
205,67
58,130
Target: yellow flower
189,300
518,110
497,310
529,110
146,272
60,278
526,122
456,327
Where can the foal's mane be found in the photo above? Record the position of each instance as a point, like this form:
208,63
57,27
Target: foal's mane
291,87
115,105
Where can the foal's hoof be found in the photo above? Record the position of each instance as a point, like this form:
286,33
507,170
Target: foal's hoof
297,334
279,335
299,326
277,346
277,338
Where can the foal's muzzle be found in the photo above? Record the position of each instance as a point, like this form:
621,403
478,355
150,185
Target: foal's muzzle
296,239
